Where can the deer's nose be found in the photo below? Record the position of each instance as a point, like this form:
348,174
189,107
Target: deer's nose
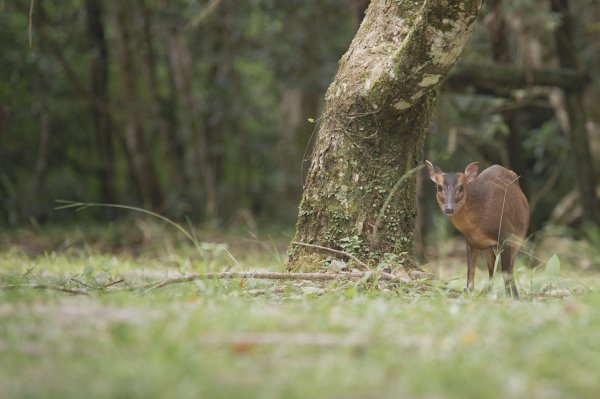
449,210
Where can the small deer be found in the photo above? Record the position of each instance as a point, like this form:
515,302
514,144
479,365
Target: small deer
490,210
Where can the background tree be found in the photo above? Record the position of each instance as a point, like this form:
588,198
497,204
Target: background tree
223,94
518,116
99,107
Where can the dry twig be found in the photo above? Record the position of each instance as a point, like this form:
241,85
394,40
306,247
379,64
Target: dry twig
224,275
119,281
61,288
276,276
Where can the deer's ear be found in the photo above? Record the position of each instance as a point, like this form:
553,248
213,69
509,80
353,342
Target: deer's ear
433,170
472,171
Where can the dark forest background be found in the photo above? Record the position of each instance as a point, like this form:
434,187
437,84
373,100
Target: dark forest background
205,110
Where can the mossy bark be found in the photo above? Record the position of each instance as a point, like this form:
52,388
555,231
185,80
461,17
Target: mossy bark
359,194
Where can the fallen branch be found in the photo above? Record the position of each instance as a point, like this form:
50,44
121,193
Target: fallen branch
223,276
61,288
277,276
119,281
500,80
335,251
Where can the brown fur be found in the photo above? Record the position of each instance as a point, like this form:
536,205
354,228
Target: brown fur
491,212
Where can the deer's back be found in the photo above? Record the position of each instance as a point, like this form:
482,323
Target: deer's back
496,208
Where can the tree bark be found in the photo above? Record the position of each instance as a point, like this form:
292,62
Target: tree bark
41,163
139,157
296,106
360,190
199,171
43,113
159,124
579,142
100,115
300,100
222,41
4,116
514,117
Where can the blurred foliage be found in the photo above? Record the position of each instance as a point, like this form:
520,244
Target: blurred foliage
259,70
244,56
471,127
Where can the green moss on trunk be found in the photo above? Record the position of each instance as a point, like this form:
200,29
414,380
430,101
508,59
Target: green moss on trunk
361,160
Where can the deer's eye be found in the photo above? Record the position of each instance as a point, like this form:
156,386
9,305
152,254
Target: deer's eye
461,189
440,189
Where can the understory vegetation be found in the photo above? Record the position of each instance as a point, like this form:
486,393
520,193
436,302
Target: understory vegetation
293,339
207,116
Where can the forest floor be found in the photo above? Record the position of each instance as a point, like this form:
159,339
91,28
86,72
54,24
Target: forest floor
285,339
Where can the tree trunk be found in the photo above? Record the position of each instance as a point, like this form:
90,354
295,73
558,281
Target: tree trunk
579,142
43,113
300,99
138,155
41,163
159,125
294,111
359,194
100,116
514,118
423,217
4,116
224,132
199,170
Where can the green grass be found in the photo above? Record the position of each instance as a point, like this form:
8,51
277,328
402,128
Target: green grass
246,339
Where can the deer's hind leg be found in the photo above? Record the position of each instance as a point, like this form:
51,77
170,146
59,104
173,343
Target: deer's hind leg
507,256
490,258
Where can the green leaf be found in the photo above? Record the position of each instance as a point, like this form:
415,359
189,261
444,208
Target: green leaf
88,270
102,277
553,265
